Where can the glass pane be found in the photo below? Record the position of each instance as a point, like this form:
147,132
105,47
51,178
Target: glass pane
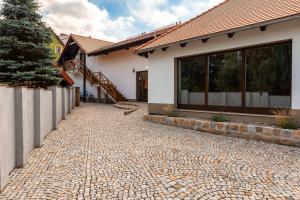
268,76
225,79
191,81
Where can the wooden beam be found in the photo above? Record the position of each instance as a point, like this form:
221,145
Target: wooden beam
151,52
183,44
230,35
204,40
263,28
144,54
164,48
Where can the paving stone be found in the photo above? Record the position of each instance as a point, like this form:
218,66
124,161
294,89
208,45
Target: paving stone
98,153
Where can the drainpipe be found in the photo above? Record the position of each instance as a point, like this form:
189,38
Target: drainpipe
84,77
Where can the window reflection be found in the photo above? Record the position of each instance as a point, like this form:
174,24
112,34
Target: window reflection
262,75
192,81
224,79
268,79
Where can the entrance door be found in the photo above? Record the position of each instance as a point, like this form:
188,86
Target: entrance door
142,86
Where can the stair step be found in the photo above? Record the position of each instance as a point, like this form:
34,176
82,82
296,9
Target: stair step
93,78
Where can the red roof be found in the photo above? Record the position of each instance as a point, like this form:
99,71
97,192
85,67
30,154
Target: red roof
231,15
66,77
134,41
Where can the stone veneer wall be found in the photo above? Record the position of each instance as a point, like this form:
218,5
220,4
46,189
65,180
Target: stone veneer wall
256,132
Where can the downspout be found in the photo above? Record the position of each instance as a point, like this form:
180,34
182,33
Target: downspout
84,77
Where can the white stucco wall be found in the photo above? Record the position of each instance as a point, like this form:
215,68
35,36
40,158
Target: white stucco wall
161,64
118,68
78,79
7,134
46,112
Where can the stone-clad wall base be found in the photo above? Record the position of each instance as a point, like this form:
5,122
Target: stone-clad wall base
255,132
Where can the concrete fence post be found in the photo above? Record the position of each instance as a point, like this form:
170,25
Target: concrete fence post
19,127
73,97
69,100
63,96
38,140
54,108
24,127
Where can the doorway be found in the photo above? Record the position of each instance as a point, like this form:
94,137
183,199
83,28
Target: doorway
142,86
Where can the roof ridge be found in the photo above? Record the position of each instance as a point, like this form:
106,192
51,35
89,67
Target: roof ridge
89,37
182,24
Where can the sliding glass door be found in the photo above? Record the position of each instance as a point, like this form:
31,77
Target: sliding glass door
191,81
268,77
225,79
254,80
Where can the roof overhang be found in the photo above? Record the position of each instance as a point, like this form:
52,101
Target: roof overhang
266,23
118,47
133,41
70,51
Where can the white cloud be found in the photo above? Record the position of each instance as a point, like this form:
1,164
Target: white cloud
159,12
85,18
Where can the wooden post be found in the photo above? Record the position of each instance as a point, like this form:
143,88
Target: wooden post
77,96
99,94
106,98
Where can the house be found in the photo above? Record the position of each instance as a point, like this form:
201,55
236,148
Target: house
109,72
56,45
64,38
240,58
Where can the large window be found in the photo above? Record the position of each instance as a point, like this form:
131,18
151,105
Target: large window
225,79
268,77
256,79
192,80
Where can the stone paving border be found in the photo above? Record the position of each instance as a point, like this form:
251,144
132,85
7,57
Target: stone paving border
255,132
127,106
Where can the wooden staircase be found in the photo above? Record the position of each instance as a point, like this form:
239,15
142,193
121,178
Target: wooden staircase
95,78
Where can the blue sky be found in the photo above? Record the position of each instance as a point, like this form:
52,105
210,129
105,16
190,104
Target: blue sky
116,20
116,8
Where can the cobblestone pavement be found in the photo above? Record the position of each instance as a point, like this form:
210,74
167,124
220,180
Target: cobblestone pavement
98,153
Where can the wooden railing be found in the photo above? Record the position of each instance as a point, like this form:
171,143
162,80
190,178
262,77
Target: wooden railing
95,78
71,65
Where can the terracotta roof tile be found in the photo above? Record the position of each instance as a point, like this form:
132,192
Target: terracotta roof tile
229,15
89,44
135,39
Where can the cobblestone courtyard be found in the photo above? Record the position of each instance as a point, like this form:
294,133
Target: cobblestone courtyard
98,153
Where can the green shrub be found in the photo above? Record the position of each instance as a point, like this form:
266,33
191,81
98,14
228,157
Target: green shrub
288,123
218,118
284,119
169,111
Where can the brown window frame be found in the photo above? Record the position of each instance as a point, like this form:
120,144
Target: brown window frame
240,109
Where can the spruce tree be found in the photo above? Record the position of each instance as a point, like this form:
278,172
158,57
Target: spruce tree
25,59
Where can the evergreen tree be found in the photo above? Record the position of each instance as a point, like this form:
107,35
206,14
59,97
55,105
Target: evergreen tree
25,59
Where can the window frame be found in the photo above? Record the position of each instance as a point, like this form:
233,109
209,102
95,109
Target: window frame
61,49
239,109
